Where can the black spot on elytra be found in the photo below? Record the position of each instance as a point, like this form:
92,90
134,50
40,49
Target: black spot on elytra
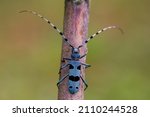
71,67
79,67
74,78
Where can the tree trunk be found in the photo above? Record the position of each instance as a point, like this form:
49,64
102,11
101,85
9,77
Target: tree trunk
76,18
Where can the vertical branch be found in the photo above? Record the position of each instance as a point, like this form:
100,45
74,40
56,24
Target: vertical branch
76,18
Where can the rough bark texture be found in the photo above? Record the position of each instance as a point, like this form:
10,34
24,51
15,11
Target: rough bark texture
76,18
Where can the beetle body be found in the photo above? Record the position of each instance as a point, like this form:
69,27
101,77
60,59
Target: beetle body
74,73
74,76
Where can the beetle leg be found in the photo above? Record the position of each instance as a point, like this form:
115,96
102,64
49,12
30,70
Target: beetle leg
86,85
86,65
62,67
62,79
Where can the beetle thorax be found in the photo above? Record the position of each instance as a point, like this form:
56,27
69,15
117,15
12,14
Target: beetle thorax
75,54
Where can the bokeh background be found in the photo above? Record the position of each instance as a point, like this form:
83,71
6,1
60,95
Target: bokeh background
30,50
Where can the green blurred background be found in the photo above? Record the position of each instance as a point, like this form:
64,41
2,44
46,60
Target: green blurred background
30,50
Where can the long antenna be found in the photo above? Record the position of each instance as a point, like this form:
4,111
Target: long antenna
102,30
49,22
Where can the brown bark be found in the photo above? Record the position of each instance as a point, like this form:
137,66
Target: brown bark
76,18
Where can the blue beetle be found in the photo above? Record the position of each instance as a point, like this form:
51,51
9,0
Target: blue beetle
74,74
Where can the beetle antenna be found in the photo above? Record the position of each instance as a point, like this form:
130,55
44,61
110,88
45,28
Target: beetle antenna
49,22
102,30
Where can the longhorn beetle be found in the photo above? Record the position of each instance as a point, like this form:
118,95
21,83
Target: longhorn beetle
74,74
